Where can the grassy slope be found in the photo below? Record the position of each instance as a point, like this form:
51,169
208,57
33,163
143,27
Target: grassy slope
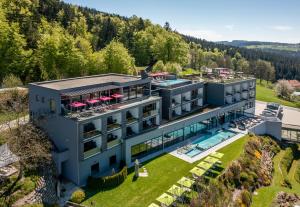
264,93
267,194
164,171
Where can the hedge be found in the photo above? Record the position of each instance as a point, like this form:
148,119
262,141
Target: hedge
108,181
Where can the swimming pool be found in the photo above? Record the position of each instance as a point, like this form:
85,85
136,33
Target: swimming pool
169,82
207,141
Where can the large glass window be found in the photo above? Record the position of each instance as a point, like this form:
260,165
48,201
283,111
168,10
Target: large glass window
126,93
141,150
132,93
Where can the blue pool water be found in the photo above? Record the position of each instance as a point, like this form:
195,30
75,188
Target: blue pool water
170,82
207,141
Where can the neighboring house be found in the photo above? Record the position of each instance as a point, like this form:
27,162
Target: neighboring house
96,122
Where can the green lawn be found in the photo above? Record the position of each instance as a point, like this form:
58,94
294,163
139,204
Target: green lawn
265,93
267,194
164,171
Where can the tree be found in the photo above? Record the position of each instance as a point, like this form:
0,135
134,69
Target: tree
284,89
174,68
195,56
262,67
167,26
29,143
117,59
57,54
142,47
11,81
159,66
12,53
170,47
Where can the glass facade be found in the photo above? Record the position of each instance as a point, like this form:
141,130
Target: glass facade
168,139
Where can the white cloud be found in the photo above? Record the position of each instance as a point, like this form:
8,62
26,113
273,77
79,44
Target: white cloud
229,26
282,27
203,34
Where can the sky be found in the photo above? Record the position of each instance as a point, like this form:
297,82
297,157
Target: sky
214,20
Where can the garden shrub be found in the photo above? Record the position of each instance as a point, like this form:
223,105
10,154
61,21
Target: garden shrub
108,181
246,198
244,176
77,196
27,186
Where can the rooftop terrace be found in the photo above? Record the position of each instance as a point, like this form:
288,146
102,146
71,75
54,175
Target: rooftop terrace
87,81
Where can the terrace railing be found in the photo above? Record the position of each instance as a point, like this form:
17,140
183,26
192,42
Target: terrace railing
91,134
91,152
113,143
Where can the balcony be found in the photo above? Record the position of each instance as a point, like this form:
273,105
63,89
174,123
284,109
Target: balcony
131,120
185,99
199,95
149,113
229,93
113,143
175,103
91,152
91,134
113,126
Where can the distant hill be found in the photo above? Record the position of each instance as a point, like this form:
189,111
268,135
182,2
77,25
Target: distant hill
266,46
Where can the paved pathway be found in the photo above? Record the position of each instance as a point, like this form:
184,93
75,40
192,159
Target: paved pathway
13,123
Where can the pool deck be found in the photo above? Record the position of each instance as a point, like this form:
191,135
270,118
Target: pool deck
213,149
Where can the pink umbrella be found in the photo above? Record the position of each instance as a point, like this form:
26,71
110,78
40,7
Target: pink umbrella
117,95
77,104
105,98
92,101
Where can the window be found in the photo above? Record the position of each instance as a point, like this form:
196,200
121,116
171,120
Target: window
143,149
43,99
112,160
132,93
52,106
37,98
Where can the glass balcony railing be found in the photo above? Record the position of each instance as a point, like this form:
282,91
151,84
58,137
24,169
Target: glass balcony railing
149,113
91,134
91,152
131,120
114,126
113,143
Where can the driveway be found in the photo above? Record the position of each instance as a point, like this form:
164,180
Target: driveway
290,115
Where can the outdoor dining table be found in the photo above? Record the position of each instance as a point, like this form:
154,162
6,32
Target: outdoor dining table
211,159
177,191
217,154
166,199
205,165
186,182
197,171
